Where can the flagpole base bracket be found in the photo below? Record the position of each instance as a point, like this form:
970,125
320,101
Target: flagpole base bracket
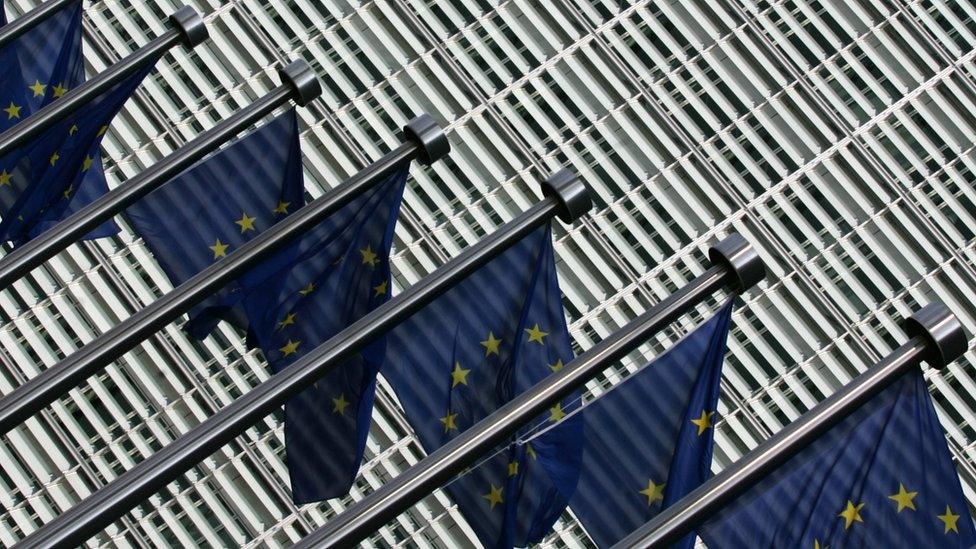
941,329
571,192
192,29
429,137
738,255
303,81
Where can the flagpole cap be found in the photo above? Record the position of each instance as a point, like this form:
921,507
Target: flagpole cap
572,194
303,81
742,260
192,29
945,337
429,137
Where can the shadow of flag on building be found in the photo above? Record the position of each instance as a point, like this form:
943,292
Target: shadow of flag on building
648,440
59,171
491,337
883,477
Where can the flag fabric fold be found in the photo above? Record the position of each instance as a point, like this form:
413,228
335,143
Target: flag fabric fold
648,440
492,336
59,171
883,477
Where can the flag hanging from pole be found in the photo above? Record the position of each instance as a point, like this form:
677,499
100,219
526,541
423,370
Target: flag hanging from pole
882,477
293,300
491,337
648,440
59,171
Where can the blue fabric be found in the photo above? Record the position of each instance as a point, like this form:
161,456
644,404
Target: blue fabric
296,299
218,204
58,172
883,477
331,277
643,450
492,336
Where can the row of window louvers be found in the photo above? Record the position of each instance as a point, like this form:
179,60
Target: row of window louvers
837,139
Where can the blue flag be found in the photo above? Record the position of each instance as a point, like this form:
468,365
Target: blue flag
299,299
648,440
59,171
883,477
218,204
491,337
294,300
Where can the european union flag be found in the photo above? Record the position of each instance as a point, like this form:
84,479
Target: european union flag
59,171
883,477
495,334
648,440
331,277
41,65
218,204
294,300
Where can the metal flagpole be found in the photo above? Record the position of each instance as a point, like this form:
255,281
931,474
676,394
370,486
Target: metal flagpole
565,195
14,29
425,140
936,336
298,82
735,264
187,27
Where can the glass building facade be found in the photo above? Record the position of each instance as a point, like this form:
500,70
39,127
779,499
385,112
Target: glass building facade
838,137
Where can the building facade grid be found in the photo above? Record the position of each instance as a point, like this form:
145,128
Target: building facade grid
837,137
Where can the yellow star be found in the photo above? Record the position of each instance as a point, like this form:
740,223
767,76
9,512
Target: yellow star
246,222
654,492
102,130
904,498
851,514
59,91
494,496
86,163
816,545
288,321
530,451
556,413
54,158
512,468
704,422
4,178
459,376
340,404
557,366
282,207
67,192
73,129
219,249
950,521
448,422
37,88
369,256
307,289
290,348
380,289
13,111
535,334
491,344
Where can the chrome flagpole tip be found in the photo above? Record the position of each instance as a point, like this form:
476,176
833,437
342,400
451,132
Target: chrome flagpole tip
429,136
941,329
303,81
571,192
742,260
191,26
